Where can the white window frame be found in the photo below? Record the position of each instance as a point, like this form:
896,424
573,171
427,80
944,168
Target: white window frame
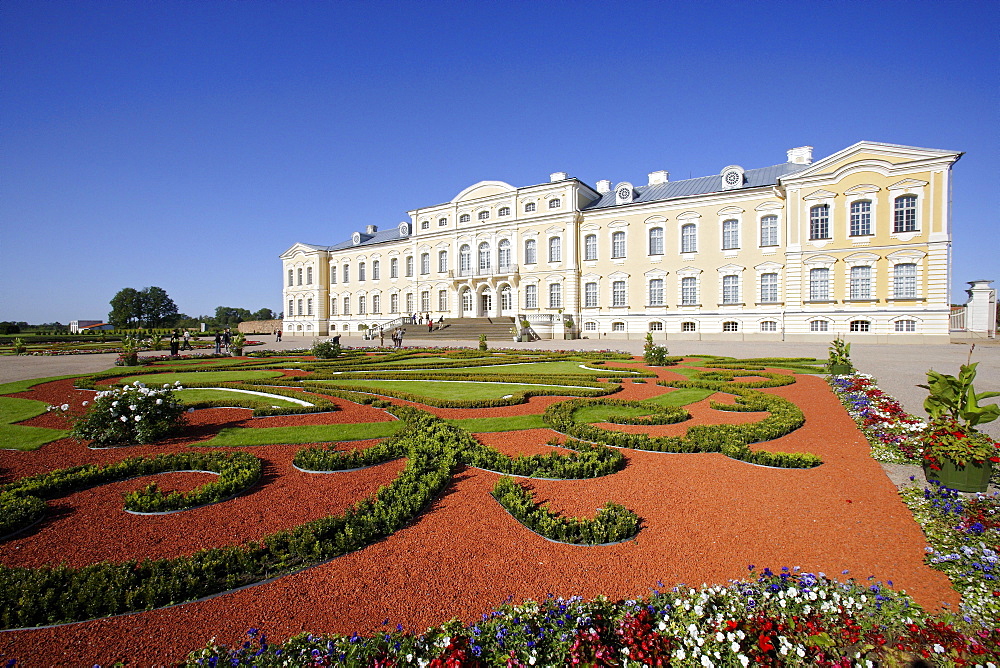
772,230
619,294
731,234
531,251
655,239
656,292
590,247
618,245
555,295
555,249
590,294
531,296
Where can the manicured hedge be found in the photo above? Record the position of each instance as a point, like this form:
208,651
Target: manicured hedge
613,523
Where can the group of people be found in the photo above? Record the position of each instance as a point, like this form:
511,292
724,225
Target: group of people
222,340
176,341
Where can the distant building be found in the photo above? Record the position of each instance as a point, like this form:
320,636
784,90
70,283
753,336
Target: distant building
857,243
84,326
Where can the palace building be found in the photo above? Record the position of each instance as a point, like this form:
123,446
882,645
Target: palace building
855,244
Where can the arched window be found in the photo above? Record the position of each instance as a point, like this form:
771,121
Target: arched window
905,214
506,298
333,306
504,211
347,273
656,241
769,231
689,238
347,306
861,282
409,302
905,325
618,293
819,222
730,326
465,260
376,304
300,307
904,281
769,326
590,295
467,301
425,224
530,251
442,300
375,270
361,271
769,288
362,305
819,326
555,295
590,326
529,207
618,327
861,218
298,274
555,249
393,303
689,326
442,222
484,215
464,218
484,256
309,275
442,261
531,296
290,309
590,247
730,234
425,263
655,326
409,265
394,268
618,245
503,255
555,203
860,326
289,277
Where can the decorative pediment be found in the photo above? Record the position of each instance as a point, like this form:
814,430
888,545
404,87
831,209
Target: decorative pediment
730,211
656,273
590,278
618,276
906,184
730,269
766,267
820,194
618,224
590,227
861,257
862,189
300,248
910,254
819,259
554,230
689,215
770,205
878,154
655,220
688,271
484,189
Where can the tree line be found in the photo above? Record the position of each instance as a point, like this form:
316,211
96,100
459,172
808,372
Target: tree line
152,307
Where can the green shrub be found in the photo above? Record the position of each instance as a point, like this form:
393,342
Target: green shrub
326,350
130,414
482,342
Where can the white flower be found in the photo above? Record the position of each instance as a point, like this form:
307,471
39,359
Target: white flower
123,419
85,403
735,647
138,418
159,401
744,661
720,636
938,648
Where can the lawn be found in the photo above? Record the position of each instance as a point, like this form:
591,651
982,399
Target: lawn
21,437
201,377
327,433
450,389
196,395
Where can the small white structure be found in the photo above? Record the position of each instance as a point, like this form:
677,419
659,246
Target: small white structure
981,311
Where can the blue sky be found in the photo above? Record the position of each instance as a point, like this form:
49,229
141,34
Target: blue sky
187,144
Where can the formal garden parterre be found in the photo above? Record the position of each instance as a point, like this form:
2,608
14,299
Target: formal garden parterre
419,486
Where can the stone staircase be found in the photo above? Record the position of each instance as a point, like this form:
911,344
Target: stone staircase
466,329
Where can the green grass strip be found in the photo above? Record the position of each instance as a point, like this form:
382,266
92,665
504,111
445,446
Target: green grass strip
234,437
196,395
514,423
452,389
22,437
25,385
157,379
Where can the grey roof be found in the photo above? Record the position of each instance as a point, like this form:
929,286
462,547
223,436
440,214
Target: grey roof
379,237
753,178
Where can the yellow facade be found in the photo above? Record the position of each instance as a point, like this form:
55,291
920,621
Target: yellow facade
856,244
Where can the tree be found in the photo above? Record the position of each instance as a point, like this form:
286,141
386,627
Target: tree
158,309
126,309
227,316
263,314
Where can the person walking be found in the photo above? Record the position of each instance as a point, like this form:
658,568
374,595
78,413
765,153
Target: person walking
277,336
430,324
227,337
175,343
218,343
381,337
187,341
401,333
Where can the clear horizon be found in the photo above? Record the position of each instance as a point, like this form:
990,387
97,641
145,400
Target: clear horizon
186,145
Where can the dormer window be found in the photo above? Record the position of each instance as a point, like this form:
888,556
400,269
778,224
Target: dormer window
356,238
425,225
732,177
442,222
529,207
404,229
555,203
504,211
464,218
624,193
484,215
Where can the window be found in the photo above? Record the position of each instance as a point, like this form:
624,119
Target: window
425,225
618,293
362,305
409,302
590,295
555,295
730,289
905,325
425,263
442,261
464,218
819,326
689,291
555,249
425,300
442,222
530,251
656,292
768,288
769,326
529,207
819,222
590,247
347,273
590,326
298,273
656,241
730,326
769,231
333,306
506,298
688,326
409,266
289,277
689,238
467,301
656,326
442,300
394,268
618,245
819,285
904,281
860,326
375,270
905,214
484,215
361,271
531,296
861,282
503,255
333,273
861,218
290,309
376,304
730,234
465,259
555,203
347,305
618,327
484,256
504,211
393,303
309,275
309,307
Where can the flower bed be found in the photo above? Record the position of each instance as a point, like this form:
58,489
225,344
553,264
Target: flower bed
893,433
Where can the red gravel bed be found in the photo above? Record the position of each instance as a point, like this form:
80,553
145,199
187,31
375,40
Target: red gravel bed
705,518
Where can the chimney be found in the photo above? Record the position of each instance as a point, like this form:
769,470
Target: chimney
604,186
371,229
656,178
803,155
557,176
